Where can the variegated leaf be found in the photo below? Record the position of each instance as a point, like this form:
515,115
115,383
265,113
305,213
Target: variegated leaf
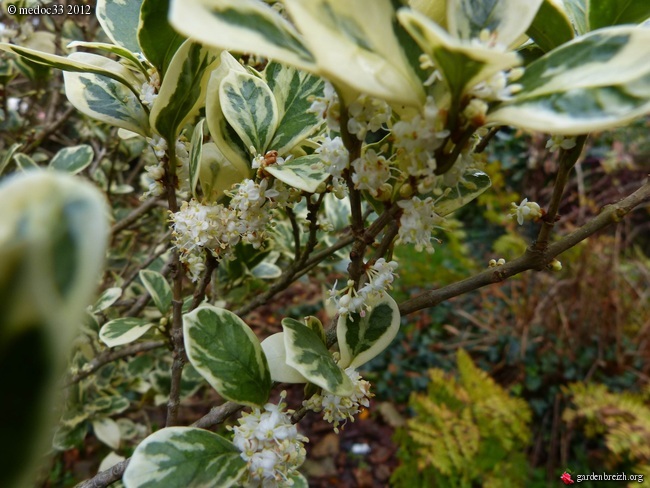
24,162
181,457
506,20
73,159
108,298
317,326
120,51
242,26
8,154
106,100
228,142
216,173
305,173
362,338
355,46
337,211
226,352
157,38
196,150
250,109
577,12
551,27
307,354
266,271
276,354
595,82
123,331
158,288
79,63
474,183
605,13
293,91
299,481
183,90
107,431
462,64
119,19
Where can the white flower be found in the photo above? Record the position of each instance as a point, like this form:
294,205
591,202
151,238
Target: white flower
334,156
159,146
526,211
380,277
328,107
149,89
367,114
497,87
337,409
270,444
417,222
371,172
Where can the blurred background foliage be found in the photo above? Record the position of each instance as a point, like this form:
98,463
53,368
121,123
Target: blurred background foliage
567,354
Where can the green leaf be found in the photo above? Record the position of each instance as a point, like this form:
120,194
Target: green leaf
475,183
362,338
158,39
226,139
196,150
181,457
250,108
123,331
24,162
605,13
507,20
78,62
108,298
293,91
158,288
73,159
182,93
217,173
242,26
595,82
276,354
577,12
307,354
551,27
305,173
317,326
226,352
461,63
6,158
119,19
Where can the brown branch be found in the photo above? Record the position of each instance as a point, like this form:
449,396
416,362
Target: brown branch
113,355
532,258
134,216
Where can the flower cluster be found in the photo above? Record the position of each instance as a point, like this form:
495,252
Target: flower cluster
149,90
270,444
219,228
328,107
337,409
526,211
367,114
417,137
380,277
372,172
417,222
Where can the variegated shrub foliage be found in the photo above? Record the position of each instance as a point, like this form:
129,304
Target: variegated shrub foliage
279,127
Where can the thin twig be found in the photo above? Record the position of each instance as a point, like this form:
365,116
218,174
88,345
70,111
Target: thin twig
134,216
113,355
532,258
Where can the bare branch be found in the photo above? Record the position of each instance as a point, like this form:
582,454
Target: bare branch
532,258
